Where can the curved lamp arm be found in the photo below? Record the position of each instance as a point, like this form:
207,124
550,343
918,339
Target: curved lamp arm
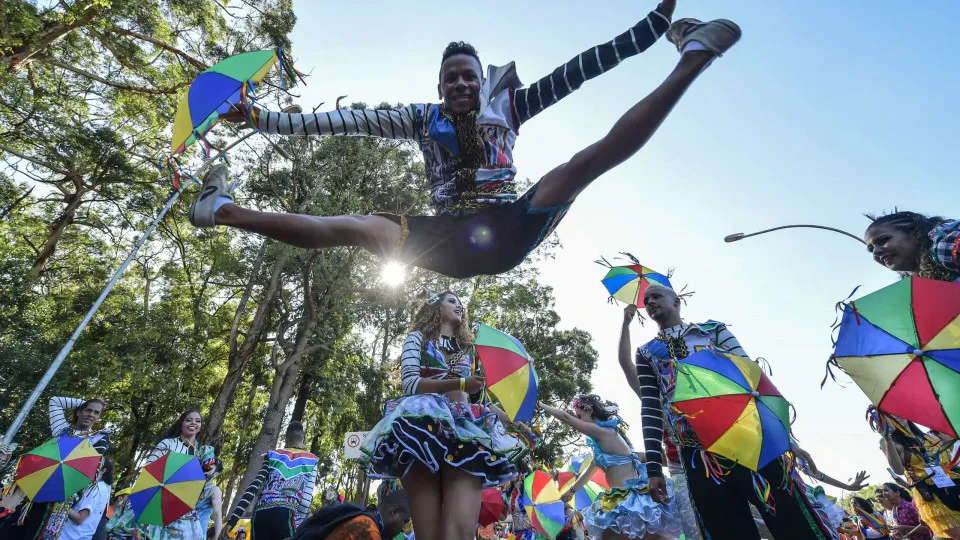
740,236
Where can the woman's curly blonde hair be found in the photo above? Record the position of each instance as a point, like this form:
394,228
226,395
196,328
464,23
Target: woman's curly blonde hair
427,321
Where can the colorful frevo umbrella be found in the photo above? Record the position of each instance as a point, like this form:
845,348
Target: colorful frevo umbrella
901,345
596,486
629,283
213,92
509,372
57,469
167,489
541,499
733,408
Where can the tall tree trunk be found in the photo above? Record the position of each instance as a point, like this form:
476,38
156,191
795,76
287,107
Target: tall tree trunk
240,355
284,383
303,396
59,226
241,440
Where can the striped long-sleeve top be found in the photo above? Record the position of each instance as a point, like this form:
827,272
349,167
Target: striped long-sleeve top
650,361
286,479
431,360
504,106
59,425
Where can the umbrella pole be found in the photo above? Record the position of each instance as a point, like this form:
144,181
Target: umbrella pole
68,346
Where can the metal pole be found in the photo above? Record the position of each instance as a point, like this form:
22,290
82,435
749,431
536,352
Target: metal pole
52,370
740,236
68,346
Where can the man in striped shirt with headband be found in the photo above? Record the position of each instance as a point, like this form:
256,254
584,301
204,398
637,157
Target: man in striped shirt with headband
714,509
480,226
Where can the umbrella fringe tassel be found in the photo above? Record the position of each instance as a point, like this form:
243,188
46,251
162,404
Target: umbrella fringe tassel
762,488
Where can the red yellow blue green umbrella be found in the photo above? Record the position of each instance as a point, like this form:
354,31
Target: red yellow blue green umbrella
733,408
167,489
57,469
586,495
216,90
901,345
629,283
509,372
541,500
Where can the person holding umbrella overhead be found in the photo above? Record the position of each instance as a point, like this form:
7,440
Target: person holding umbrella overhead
444,448
69,417
626,510
179,438
721,502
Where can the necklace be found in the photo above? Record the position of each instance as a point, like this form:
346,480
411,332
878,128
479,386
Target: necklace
676,346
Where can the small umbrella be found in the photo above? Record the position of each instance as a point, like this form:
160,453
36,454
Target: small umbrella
629,283
901,345
492,506
509,370
215,90
541,499
586,495
167,489
57,469
733,408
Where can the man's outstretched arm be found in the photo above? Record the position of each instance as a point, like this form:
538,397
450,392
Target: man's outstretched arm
530,101
402,123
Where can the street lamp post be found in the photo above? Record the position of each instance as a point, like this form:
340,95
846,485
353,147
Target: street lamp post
735,237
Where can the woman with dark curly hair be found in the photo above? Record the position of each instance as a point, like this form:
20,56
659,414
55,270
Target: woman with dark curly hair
626,510
916,244
444,448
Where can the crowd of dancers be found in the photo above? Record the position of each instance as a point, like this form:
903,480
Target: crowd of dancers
439,445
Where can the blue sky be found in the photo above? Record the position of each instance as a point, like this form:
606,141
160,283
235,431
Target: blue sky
823,111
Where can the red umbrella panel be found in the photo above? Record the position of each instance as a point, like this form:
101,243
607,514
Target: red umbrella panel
492,507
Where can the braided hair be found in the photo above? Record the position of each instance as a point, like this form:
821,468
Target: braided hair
604,412
918,225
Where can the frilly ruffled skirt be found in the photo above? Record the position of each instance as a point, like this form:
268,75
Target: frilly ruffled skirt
431,430
632,512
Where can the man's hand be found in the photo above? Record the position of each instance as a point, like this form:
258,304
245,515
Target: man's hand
236,116
473,384
859,481
657,487
629,313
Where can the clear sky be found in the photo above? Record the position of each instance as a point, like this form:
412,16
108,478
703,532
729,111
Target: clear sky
823,111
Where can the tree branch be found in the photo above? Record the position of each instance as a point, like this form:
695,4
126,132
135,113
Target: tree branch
120,86
165,46
35,161
6,211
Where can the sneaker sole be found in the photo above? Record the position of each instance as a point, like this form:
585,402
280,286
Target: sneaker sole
734,35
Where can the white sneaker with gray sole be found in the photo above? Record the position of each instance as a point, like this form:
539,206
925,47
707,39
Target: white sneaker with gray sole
214,186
